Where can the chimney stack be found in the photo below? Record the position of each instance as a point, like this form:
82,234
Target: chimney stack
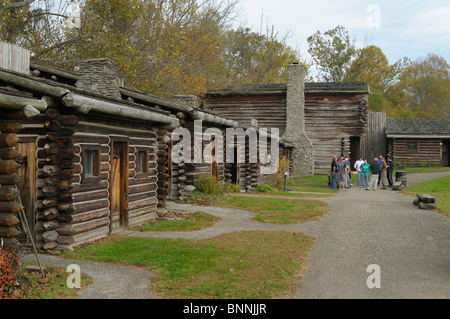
99,76
303,154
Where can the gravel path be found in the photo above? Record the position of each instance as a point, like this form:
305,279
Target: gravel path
411,247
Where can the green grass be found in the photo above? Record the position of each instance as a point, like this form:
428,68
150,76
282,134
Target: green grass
423,169
188,222
439,188
277,210
53,286
240,265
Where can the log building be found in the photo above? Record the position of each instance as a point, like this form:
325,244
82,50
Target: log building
335,114
419,141
95,157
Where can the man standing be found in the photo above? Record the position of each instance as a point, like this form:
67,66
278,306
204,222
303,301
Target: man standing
357,166
343,175
365,169
334,173
375,169
390,170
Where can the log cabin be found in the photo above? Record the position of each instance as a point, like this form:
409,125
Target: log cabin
419,141
95,157
334,115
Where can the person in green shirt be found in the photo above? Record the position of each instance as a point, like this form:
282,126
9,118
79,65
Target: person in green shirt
365,167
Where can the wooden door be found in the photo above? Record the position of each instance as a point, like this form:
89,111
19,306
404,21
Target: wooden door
27,186
445,154
119,185
215,158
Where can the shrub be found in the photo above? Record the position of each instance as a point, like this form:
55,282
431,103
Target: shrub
231,188
9,266
208,184
264,188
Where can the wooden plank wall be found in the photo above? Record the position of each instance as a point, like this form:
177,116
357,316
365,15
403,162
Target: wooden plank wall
330,122
269,110
374,143
428,151
330,119
15,58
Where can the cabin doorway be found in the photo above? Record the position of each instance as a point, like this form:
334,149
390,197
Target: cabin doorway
234,166
355,150
446,153
119,185
27,186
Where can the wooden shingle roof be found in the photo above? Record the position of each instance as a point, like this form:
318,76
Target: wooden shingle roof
396,127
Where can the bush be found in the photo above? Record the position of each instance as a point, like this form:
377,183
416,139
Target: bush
231,188
9,266
264,188
208,184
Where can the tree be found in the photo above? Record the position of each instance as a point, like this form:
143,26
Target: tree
251,57
425,84
372,66
332,53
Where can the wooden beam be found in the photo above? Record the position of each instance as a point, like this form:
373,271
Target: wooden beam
16,103
121,110
32,84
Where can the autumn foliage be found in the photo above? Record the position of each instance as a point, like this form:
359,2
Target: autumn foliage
9,265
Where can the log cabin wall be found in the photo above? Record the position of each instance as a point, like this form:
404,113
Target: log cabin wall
334,113
416,151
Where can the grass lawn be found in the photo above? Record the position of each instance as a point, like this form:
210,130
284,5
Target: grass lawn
423,169
277,210
439,188
240,265
188,222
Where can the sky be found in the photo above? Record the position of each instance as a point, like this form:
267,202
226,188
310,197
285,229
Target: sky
400,28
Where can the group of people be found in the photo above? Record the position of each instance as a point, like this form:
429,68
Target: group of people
380,172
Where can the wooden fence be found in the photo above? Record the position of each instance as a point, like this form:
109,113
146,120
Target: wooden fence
15,58
373,143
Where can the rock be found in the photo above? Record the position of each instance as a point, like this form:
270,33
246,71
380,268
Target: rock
423,205
50,245
189,188
398,186
426,198
417,201
50,236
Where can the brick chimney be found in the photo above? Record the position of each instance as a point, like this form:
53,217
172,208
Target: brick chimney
99,76
303,153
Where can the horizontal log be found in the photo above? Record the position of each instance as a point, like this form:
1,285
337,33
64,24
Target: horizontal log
8,139
10,207
65,208
90,187
10,179
73,229
27,113
88,196
8,153
51,170
88,206
68,120
9,232
10,127
8,193
116,109
84,237
51,213
86,216
17,102
8,220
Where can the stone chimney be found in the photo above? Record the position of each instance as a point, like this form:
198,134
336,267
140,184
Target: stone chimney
303,153
99,76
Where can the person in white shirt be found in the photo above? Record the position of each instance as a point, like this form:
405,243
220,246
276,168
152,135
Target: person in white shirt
357,166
